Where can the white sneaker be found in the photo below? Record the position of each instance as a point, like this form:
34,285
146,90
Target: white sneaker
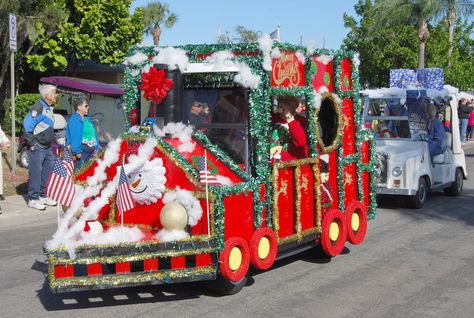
48,201
36,204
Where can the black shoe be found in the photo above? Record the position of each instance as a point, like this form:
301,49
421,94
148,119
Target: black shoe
2,198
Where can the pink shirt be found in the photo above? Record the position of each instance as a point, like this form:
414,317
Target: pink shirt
471,118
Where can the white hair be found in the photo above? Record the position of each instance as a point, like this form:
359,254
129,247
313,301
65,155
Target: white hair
46,89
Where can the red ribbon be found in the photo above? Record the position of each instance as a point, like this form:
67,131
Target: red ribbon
155,85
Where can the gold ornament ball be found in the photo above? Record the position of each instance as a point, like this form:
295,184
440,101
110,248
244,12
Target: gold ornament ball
173,216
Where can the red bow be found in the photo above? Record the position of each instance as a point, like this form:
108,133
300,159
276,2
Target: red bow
155,85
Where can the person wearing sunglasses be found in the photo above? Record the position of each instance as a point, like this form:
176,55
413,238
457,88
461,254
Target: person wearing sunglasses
81,136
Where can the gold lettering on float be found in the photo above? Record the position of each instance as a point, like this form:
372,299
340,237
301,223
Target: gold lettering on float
284,188
304,183
286,68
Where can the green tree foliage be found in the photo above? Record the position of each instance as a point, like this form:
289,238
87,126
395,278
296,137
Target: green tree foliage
23,103
155,15
417,13
99,30
396,47
244,35
379,51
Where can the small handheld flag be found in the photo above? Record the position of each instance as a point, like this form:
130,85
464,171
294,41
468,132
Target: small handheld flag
59,186
205,177
124,195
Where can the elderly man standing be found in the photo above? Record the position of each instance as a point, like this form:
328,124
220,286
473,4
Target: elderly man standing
38,128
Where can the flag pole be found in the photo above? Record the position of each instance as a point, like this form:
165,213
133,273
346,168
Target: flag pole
59,218
121,214
207,196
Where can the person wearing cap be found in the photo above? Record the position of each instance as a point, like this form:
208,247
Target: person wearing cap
297,147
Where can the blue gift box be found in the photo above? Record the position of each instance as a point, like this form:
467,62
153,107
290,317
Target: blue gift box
430,78
403,78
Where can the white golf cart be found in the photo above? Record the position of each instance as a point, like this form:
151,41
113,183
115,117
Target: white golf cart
399,123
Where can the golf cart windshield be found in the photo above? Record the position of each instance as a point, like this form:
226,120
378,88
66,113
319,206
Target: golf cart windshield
388,118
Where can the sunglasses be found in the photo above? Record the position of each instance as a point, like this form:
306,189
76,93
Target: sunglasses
86,105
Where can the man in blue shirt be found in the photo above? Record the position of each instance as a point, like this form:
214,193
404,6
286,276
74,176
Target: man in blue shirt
38,131
436,133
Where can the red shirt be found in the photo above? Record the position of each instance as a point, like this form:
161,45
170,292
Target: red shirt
297,146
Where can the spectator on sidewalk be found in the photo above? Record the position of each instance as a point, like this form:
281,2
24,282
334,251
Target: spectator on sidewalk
463,113
4,144
38,131
81,136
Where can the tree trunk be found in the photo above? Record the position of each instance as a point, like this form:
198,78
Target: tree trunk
156,33
451,21
423,35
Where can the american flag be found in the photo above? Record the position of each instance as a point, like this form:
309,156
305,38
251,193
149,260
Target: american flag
205,177
67,161
124,195
59,186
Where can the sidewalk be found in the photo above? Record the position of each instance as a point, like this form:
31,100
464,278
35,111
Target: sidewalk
15,210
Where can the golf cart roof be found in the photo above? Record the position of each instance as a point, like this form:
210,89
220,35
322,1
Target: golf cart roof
394,92
84,85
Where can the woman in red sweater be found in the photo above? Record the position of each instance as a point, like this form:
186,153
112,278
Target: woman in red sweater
294,142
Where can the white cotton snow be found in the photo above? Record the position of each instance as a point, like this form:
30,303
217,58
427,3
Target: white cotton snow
221,60
265,44
325,59
135,59
224,180
310,47
276,53
165,235
173,57
245,77
301,57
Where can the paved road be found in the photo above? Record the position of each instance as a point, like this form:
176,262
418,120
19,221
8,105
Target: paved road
414,263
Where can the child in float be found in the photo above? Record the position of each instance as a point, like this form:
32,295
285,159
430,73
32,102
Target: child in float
325,187
288,140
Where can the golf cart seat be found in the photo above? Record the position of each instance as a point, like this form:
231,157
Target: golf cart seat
446,156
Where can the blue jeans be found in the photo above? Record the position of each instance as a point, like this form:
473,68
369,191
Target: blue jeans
463,128
86,155
40,166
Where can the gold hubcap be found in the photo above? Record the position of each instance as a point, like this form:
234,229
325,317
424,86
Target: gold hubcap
235,258
333,231
355,222
263,248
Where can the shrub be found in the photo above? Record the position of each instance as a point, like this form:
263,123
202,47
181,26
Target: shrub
23,103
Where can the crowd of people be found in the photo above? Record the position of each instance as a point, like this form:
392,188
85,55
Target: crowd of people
38,131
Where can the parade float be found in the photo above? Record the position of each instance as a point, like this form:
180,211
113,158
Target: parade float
208,202
398,117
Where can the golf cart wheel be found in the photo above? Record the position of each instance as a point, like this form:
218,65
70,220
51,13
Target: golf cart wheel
418,200
456,188
23,158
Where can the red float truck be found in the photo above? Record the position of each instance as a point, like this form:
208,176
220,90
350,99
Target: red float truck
257,210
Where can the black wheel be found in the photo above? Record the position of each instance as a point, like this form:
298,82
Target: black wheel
223,287
456,188
23,158
417,200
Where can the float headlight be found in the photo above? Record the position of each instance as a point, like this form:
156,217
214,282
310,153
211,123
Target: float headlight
397,171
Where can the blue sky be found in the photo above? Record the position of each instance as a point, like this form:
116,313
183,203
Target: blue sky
315,20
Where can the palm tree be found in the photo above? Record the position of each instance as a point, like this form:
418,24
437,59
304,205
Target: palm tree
451,10
155,14
390,13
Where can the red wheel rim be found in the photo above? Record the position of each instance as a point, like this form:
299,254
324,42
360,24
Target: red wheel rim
235,259
263,248
356,215
333,233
